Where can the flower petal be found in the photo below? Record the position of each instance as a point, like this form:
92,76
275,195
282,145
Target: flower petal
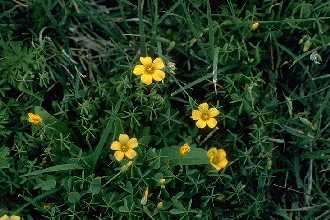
158,63
216,166
201,123
146,61
130,154
211,122
146,79
138,70
203,107
196,115
119,155
211,152
221,154
132,143
15,217
123,139
115,145
213,112
158,75
223,163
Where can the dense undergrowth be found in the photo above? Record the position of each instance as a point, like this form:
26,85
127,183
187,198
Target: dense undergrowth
72,61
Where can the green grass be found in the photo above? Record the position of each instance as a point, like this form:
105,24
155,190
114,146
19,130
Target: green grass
71,62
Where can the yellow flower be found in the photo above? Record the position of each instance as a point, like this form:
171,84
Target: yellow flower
13,217
184,149
34,119
124,147
150,70
254,26
205,116
217,158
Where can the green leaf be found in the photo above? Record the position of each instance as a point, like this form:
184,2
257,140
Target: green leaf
74,197
196,156
56,168
53,127
95,186
177,211
4,160
48,184
318,155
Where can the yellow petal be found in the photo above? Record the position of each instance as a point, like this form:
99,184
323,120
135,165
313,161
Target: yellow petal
146,79
223,163
216,166
146,61
212,152
196,115
115,145
123,139
158,64
119,155
221,154
158,75
15,217
138,70
201,123
203,107
130,154
211,122
213,112
4,217
132,143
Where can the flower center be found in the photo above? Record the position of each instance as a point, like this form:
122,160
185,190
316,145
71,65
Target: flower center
124,148
149,69
205,116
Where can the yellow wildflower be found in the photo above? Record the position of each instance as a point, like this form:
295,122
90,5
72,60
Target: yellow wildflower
13,217
205,116
150,70
254,26
34,119
124,147
184,149
217,158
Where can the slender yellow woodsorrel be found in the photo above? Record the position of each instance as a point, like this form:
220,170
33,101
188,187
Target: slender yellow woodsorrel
217,158
150,70
184,149
124,147
205,116
34,119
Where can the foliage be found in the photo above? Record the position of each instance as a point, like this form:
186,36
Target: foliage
72,61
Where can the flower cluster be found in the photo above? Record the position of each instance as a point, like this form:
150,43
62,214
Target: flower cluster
153,70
